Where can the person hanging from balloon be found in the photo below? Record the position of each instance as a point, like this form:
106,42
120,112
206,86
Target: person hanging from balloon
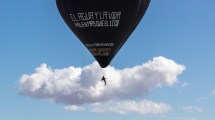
104,79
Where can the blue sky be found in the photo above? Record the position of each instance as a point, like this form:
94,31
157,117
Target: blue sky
32,33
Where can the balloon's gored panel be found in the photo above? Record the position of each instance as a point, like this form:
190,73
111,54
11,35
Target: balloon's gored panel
103,26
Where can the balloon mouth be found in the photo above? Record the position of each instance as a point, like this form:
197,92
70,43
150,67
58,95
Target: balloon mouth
104,61
103,66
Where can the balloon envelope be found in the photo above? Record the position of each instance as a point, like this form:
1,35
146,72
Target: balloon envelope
103,26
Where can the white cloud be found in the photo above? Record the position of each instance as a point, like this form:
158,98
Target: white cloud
192,109
78,86
126,107
213,92
73,108
185,84
193,118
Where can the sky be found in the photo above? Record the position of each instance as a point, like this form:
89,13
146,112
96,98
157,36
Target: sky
164,71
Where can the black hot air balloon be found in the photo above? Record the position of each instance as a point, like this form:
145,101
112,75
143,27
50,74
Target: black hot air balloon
103,26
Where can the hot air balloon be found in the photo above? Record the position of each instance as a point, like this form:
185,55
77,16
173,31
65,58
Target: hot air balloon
103,26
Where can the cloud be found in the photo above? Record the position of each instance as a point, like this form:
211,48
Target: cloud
73,108
126,107
79,86
193,118
185,84
213,92
192,109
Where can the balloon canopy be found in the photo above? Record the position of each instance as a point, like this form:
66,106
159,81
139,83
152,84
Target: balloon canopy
103,26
